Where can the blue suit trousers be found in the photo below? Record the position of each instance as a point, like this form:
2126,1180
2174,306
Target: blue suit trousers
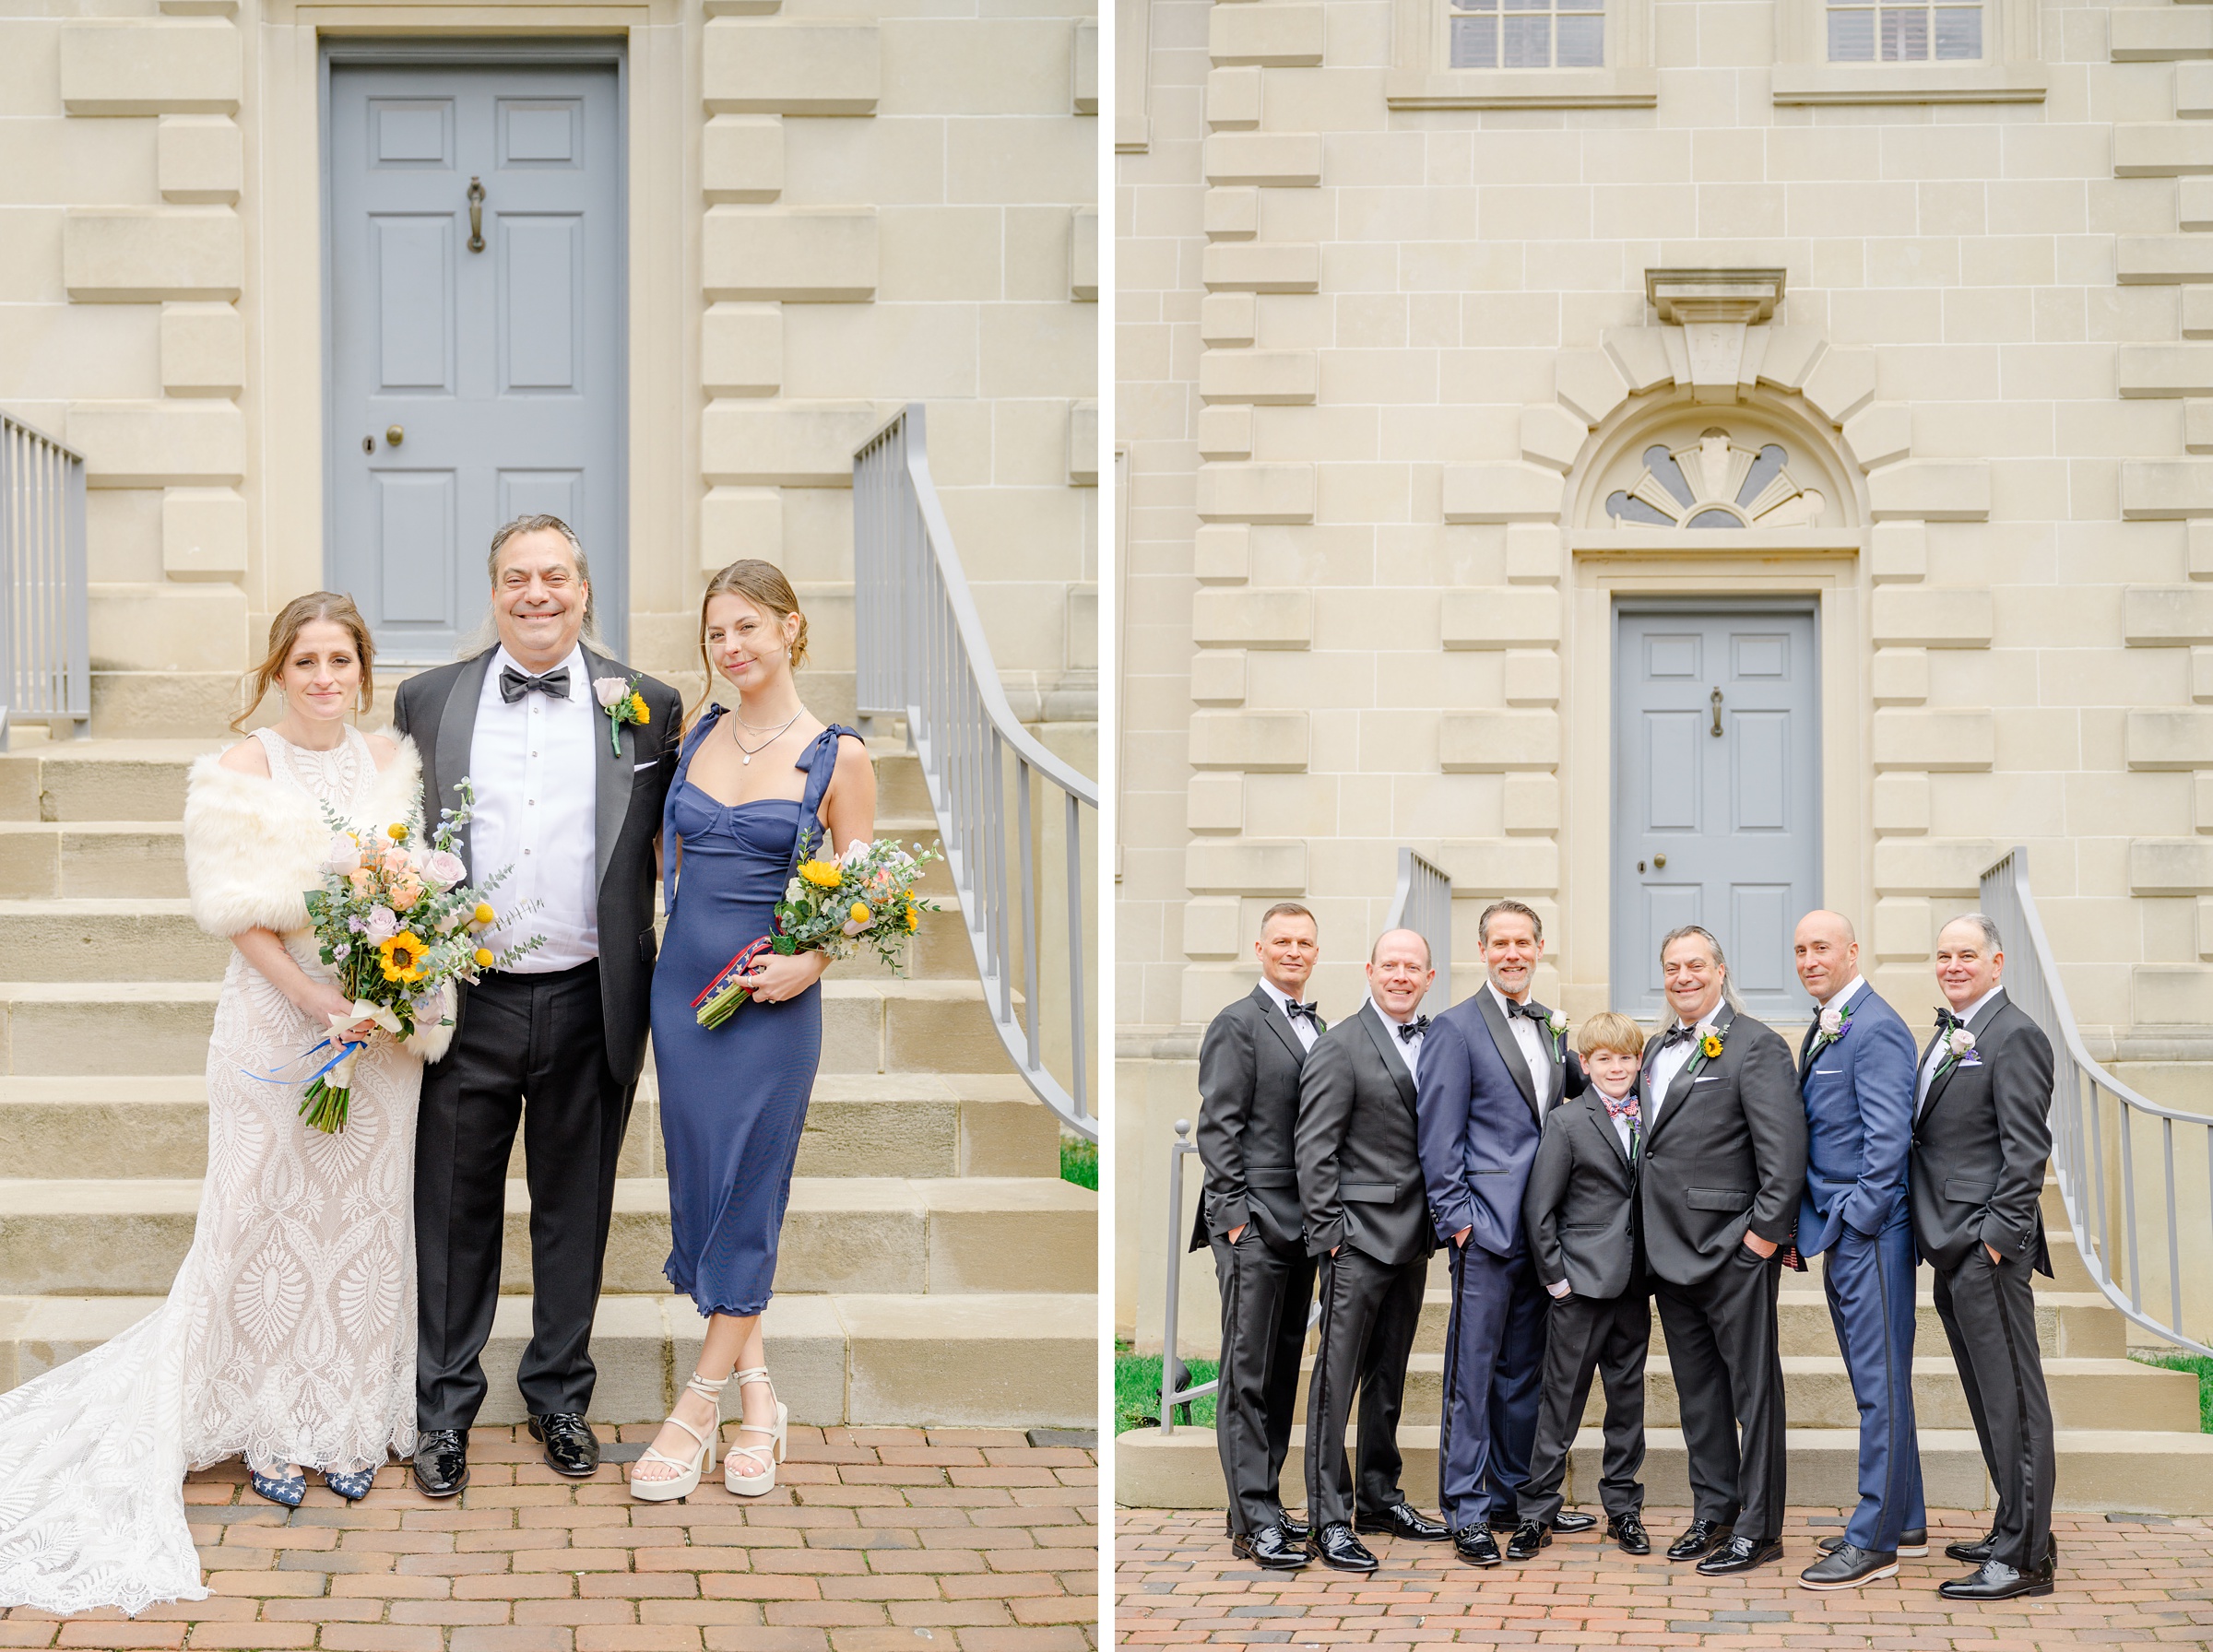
1494,1374
1869,1283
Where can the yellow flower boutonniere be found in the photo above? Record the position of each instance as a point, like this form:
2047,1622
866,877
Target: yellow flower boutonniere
1711,1045
622,703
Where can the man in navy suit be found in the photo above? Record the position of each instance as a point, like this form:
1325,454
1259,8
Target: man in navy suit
1491,1066
1855,1070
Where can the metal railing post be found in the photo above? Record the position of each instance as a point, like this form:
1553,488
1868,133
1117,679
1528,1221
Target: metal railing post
1173,1304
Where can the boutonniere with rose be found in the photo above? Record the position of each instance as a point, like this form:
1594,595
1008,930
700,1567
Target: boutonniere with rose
1555,1023
1832,1025
1710,1049
622,703
1959,1051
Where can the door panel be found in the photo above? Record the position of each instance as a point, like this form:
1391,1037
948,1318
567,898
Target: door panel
1735,814
500,369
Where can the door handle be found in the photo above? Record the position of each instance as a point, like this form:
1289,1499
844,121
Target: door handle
476,215
1660,863
394,434
1716,729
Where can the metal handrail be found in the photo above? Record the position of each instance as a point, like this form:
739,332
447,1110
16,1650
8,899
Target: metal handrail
922,655
1423,903
45,669
2078,1116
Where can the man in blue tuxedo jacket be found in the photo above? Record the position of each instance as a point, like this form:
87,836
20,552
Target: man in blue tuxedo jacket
1857,1071
1491,1067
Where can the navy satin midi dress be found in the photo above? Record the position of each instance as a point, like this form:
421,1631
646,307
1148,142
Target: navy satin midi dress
733,1100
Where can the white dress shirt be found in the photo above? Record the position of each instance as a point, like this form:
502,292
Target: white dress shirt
537,811
1928,1068
1410,1049
1531,1040
1301,1025
1668,1063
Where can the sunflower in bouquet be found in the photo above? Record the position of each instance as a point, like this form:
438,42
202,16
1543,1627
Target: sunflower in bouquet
865,899
398,922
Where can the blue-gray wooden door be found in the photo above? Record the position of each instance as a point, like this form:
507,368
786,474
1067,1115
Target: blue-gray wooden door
1715,828
501,367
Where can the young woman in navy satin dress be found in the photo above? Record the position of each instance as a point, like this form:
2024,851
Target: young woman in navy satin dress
733,1100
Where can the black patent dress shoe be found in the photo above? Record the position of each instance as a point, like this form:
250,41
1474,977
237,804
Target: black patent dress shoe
1847,1566
1570,1521
1741,1554
1529,1537
1912,1545
571,1448
1270,1549
1402,1520
1335,1546
1995,1580
1697,1541
1296,1530
1974,1553
1475,1545
1629,1534
442,1461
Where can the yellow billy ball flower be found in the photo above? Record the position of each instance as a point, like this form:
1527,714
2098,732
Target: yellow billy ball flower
860,913
483,959
482,915
397,831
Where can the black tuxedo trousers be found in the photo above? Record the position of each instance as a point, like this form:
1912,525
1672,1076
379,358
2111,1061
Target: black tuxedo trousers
1989,1314
1369,1312
1721,1349
1265,1289
1609,1336
533,1052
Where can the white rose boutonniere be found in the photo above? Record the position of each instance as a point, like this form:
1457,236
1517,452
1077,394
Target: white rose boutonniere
1555,1023
1830,1025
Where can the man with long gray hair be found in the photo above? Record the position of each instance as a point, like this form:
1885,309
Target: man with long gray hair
568,795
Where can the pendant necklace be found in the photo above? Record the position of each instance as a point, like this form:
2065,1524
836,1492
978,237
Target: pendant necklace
764,745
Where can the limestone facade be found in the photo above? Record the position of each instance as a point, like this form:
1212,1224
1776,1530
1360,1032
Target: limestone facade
1393,338
831,210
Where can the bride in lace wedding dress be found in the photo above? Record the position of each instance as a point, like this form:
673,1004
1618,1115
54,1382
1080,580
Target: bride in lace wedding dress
288,1335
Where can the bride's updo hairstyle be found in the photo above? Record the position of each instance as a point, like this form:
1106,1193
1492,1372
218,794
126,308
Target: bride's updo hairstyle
284,632
762,584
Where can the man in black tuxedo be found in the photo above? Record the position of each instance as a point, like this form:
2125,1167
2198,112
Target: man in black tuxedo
1368,1226
574,814
1725,1167
1492,1066
1981,1134
1249,1064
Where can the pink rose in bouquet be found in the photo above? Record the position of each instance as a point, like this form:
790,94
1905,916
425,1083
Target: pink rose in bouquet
443,870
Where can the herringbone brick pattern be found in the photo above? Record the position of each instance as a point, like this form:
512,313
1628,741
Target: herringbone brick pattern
958,1540
2124,1582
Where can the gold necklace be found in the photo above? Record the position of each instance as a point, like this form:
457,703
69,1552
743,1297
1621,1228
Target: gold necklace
751,750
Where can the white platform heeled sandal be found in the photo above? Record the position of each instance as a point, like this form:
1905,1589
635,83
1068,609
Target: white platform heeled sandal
768,1455
686,1479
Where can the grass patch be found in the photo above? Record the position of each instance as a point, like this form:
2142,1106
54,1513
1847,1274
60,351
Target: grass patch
2199,1366
1079,1161
1137,1391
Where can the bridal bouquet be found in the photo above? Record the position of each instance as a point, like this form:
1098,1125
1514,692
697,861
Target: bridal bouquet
399,922
865,899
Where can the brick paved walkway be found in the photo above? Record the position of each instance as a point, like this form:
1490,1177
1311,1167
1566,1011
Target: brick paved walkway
2125,1583
960,1539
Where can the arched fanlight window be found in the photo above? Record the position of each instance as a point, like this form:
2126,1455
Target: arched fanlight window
1714,483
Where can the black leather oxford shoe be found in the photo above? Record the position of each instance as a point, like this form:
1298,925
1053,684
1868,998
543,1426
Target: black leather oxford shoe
1629,1534
1995,1580
1295,1530
1402,1520
442,1461
1338,1548
1529,1537
1570,1521
571,1448
1912,1545
1741,1553
1475,1545
1847,1566
1270,1549
1975,1552
1698,1540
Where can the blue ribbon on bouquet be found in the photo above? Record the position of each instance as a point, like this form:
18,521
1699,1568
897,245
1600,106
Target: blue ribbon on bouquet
278,1076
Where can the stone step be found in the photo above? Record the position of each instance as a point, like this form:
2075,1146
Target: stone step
2075,1324
941,1237
49,1027
2090,1394
45,860
978,1359
2098,1470
914,1124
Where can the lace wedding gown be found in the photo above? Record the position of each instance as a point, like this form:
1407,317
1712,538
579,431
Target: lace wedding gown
288,1335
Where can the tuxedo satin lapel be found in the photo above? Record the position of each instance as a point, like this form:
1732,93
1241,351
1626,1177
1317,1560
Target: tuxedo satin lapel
1978,1026
457,733
1382,1035
1806,1048
615,764
1594,1104
1679,1091
1556,1062
1509,1050
1280,1024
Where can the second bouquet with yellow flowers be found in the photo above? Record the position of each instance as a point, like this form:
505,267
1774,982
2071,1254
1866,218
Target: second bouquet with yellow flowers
864,899
399,921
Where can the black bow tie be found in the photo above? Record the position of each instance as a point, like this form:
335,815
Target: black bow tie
1410,1030
1532,1009
1946,1020
1293,1008
1678,1035
514,685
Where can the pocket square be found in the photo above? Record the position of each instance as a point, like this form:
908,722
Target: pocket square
1716,1078
651,763
1828,1072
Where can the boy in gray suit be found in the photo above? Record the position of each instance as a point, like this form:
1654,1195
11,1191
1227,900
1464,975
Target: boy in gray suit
1581,1215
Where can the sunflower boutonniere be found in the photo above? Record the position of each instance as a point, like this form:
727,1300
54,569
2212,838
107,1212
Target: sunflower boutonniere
622,703
1710,1049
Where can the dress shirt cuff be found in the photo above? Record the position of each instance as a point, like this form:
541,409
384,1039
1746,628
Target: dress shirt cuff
1559,1289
